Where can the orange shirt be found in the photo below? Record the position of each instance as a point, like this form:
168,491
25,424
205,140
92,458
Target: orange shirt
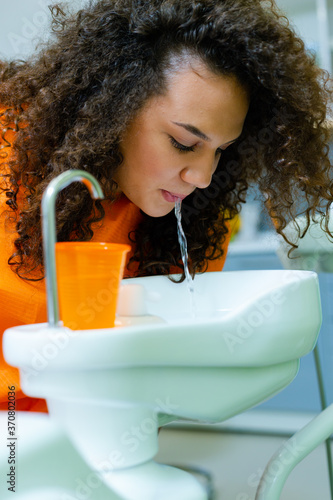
24,302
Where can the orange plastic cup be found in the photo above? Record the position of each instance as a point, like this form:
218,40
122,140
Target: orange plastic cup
88,276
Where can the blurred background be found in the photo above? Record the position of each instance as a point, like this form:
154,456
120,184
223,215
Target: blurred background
236,451
27,21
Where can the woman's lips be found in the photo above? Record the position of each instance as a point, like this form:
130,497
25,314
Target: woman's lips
172,197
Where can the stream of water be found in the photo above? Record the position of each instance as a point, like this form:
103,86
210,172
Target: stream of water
183,249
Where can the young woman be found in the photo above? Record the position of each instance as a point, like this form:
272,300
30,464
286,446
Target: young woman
159,100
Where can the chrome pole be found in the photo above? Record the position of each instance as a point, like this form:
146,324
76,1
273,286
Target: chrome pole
49,232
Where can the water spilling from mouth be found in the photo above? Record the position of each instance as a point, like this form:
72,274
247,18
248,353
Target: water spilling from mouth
183,249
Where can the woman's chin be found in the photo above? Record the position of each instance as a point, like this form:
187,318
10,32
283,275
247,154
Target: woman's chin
158,211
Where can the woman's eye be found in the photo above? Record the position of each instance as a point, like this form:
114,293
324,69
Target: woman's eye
180,146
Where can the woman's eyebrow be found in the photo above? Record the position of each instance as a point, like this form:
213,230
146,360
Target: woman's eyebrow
195,131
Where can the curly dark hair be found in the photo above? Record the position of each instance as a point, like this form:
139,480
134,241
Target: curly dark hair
71,103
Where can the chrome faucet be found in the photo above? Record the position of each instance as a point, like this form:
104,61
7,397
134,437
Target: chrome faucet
49,232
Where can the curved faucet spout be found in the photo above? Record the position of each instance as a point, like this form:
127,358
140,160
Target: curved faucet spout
49,231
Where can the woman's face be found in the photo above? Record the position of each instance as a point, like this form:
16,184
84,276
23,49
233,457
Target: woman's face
175,142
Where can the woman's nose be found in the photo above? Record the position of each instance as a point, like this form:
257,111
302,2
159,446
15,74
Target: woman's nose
199,174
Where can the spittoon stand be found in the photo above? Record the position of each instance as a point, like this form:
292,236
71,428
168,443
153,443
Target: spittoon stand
109,390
